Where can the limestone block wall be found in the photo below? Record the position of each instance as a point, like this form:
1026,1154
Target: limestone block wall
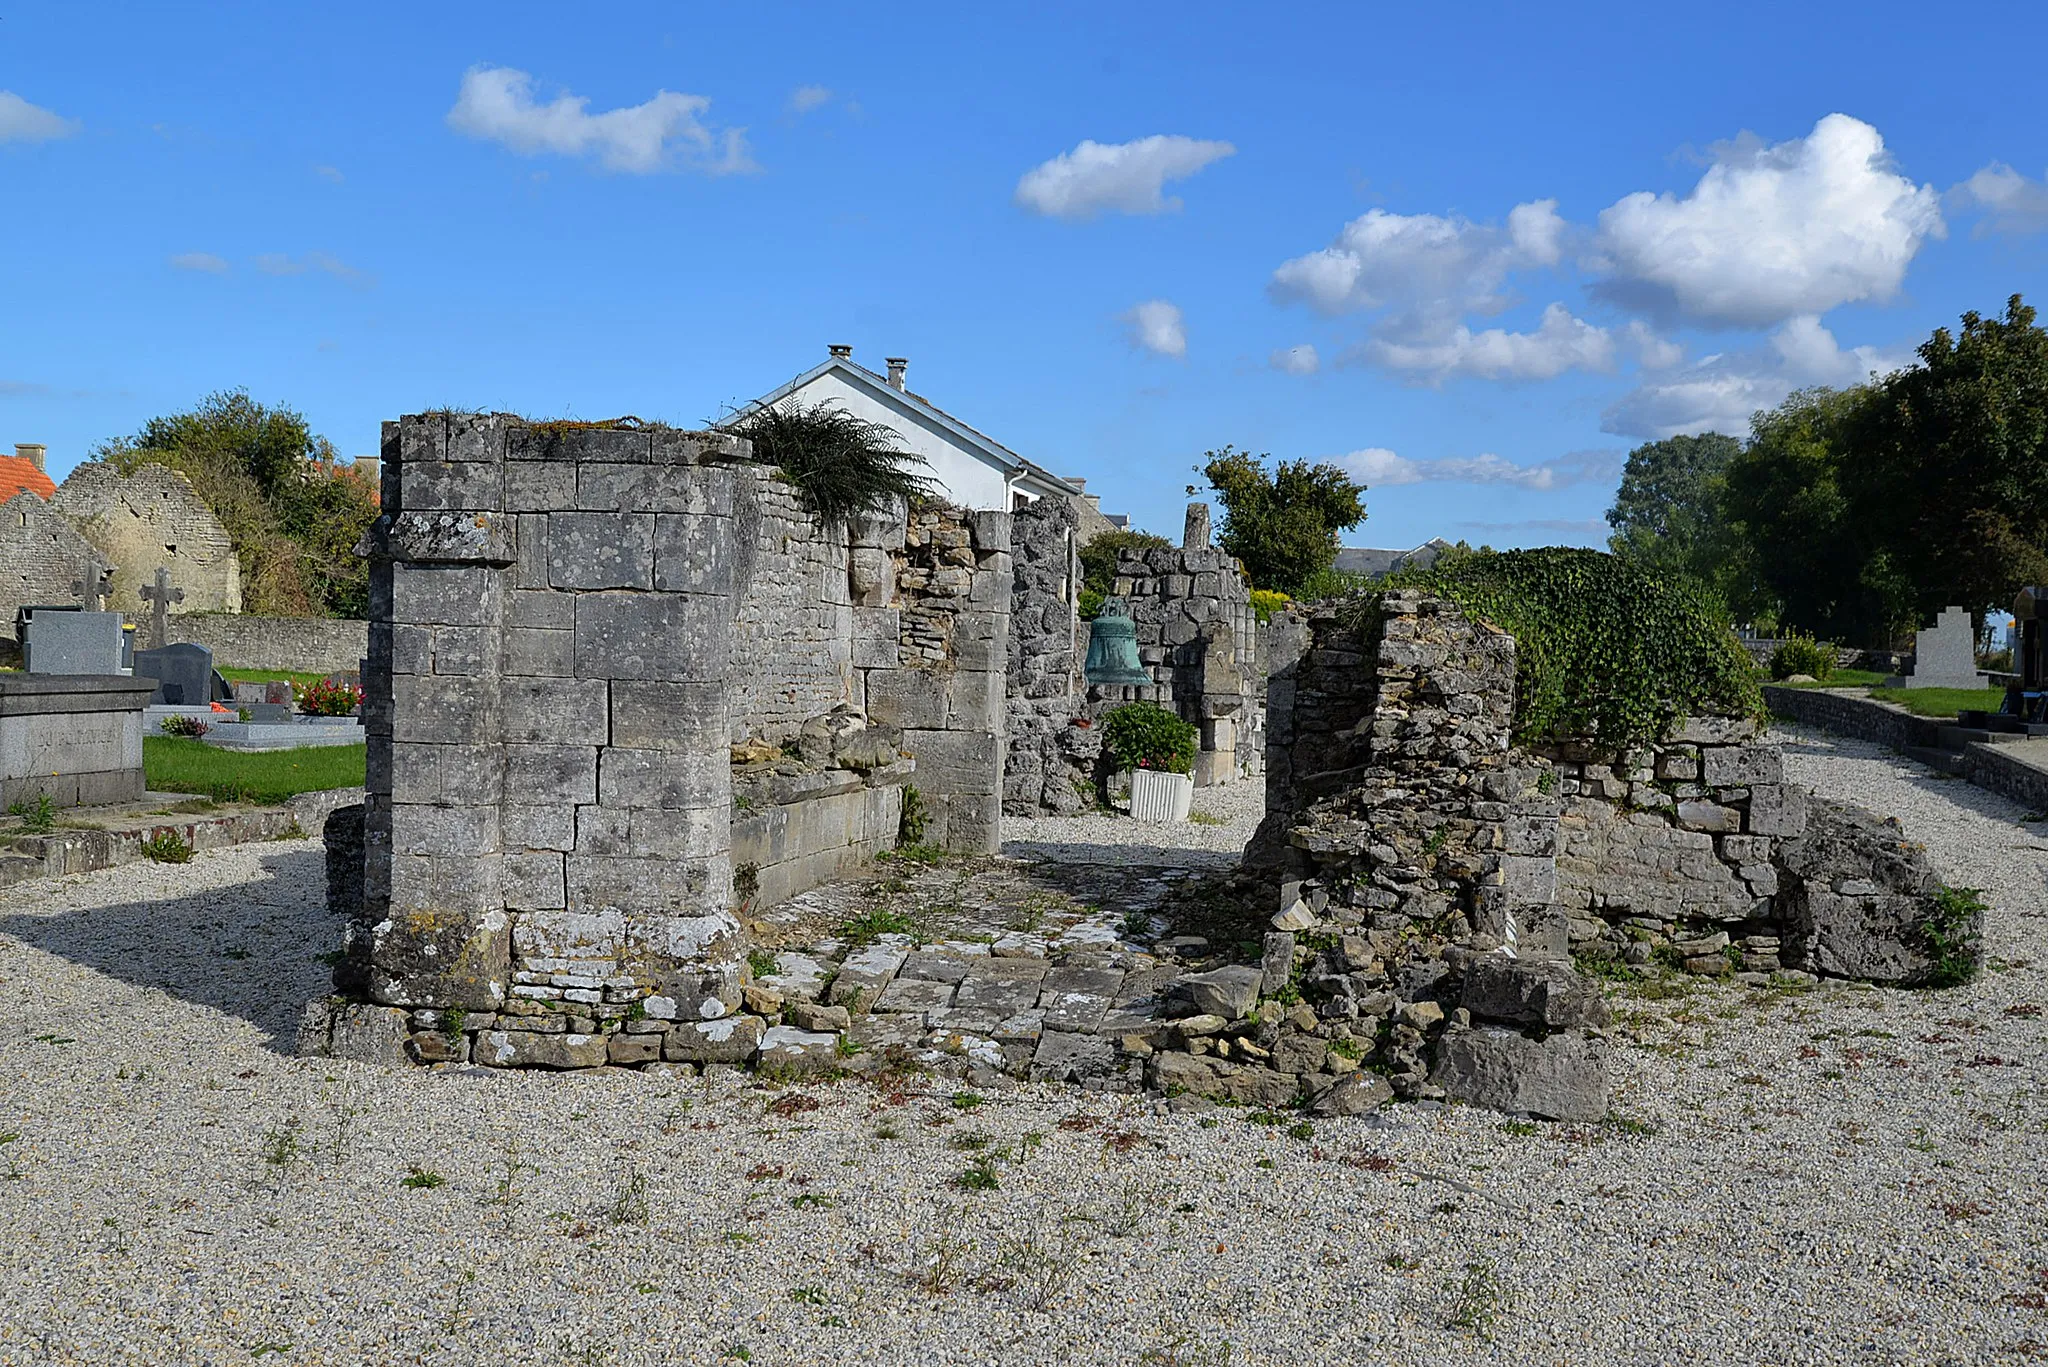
1050,764
827,830
150,519
792,631
1199,637
547,826
310,645
42,554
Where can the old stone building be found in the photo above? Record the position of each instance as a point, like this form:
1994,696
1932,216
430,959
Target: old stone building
149,520
43,557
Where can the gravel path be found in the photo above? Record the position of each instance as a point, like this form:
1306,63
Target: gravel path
1224,819
1849,1175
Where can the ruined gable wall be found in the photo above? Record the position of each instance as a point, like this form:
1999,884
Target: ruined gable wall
149,519
1050,766
42,554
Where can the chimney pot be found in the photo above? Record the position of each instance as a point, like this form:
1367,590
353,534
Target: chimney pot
32,452
840,351
897,365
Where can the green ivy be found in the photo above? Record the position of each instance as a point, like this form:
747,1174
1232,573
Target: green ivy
1604,648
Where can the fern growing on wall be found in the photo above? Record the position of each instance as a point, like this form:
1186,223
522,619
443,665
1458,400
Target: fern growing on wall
841,465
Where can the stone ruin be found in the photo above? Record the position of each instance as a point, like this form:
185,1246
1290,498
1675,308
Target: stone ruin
605,660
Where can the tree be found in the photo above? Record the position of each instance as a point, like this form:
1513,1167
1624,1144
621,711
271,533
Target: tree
1283,526
1667,515
291,509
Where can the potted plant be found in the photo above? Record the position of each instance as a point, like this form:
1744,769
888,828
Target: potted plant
1157,748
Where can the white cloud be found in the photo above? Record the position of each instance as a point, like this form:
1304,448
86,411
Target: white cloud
1438,266
1296,360
1560,343
805,98
1157,326
21,121
331,174
200,261
1127,177
1377,467
277,263
497,105
2014,203
1720,392
1652,352
1772,232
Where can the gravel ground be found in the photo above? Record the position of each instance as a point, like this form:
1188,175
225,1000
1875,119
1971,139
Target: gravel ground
1848,1175
1224,819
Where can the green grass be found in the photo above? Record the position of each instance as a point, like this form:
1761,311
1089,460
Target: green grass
266,675
1841,678
173,764
1941,702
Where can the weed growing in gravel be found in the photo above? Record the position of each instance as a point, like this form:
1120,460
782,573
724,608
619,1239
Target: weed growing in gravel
7,1151
965,1101
807,1295
1181,1350
1208,819
980,1175
1478,1299
762,961
38,817
938,1265
1950,943
876,922
1521,1129
422,1179
629,1201
1046,1261
1634,1129
280,1150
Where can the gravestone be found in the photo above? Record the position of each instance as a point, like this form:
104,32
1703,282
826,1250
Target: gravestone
74,643
1945,655
263,690
184,674
160,596
268,712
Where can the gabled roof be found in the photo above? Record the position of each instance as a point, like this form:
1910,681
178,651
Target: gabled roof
916,405
18,473
1378,562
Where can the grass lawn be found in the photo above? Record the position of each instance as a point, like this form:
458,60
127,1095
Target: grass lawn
177,764
266,675
1941,702
1841,678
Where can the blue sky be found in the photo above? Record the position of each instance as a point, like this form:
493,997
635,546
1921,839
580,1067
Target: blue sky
1518,241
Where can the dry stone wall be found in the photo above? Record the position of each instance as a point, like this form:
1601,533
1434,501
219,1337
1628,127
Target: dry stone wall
309,645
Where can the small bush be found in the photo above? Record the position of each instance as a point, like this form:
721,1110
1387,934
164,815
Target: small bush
1798,654
840,464
1266,602
184,726
38,817
167,847
1091,601
1951,934
1141,736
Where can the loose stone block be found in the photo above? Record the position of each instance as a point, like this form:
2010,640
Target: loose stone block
527,1049
915,995
864,975
785,1048
1561,1077
370,1034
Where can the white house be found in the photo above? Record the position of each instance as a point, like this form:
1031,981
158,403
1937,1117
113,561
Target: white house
971,470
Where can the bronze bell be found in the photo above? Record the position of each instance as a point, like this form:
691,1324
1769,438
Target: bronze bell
1113,649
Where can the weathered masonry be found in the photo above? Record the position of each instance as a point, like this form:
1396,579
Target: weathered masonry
580,634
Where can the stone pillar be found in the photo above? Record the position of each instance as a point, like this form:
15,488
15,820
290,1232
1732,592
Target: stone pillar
1195,532
549,788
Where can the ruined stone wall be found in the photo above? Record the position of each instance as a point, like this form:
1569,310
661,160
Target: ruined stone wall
547,827
1199,637
1050,767
150,519
308,645
792,642
42,555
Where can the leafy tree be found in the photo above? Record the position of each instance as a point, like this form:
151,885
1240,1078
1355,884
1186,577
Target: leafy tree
291,509
1952,465
841,464
1667,515
1282,525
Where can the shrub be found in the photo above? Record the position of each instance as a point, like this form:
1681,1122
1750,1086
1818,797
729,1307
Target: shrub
1798,654
1141,736
1333,583
840,464
184,726
1091,604
1266,602
328,698
1604,649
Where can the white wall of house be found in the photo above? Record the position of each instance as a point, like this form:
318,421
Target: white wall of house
966,478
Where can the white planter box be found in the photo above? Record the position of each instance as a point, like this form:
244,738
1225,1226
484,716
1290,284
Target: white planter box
1157,796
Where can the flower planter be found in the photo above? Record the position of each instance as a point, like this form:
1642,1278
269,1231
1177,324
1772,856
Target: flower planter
1160,796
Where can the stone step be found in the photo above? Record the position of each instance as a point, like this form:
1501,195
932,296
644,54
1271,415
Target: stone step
1948,761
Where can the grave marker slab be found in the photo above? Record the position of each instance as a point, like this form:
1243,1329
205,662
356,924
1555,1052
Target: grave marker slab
183,673
74,643
1945,655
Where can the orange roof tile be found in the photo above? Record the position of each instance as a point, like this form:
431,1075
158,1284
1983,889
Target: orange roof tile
18,473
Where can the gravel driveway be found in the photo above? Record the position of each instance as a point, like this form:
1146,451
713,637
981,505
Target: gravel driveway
1849,1175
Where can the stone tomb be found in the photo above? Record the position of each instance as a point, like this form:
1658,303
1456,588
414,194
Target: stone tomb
1945,654
183,673
74,739
62,642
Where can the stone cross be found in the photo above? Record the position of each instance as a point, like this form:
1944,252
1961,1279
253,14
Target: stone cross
94,586
160,596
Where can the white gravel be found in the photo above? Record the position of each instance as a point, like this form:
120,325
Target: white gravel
1849,1176
1223,820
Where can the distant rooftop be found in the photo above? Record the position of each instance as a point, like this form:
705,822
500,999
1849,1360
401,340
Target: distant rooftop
1381,563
